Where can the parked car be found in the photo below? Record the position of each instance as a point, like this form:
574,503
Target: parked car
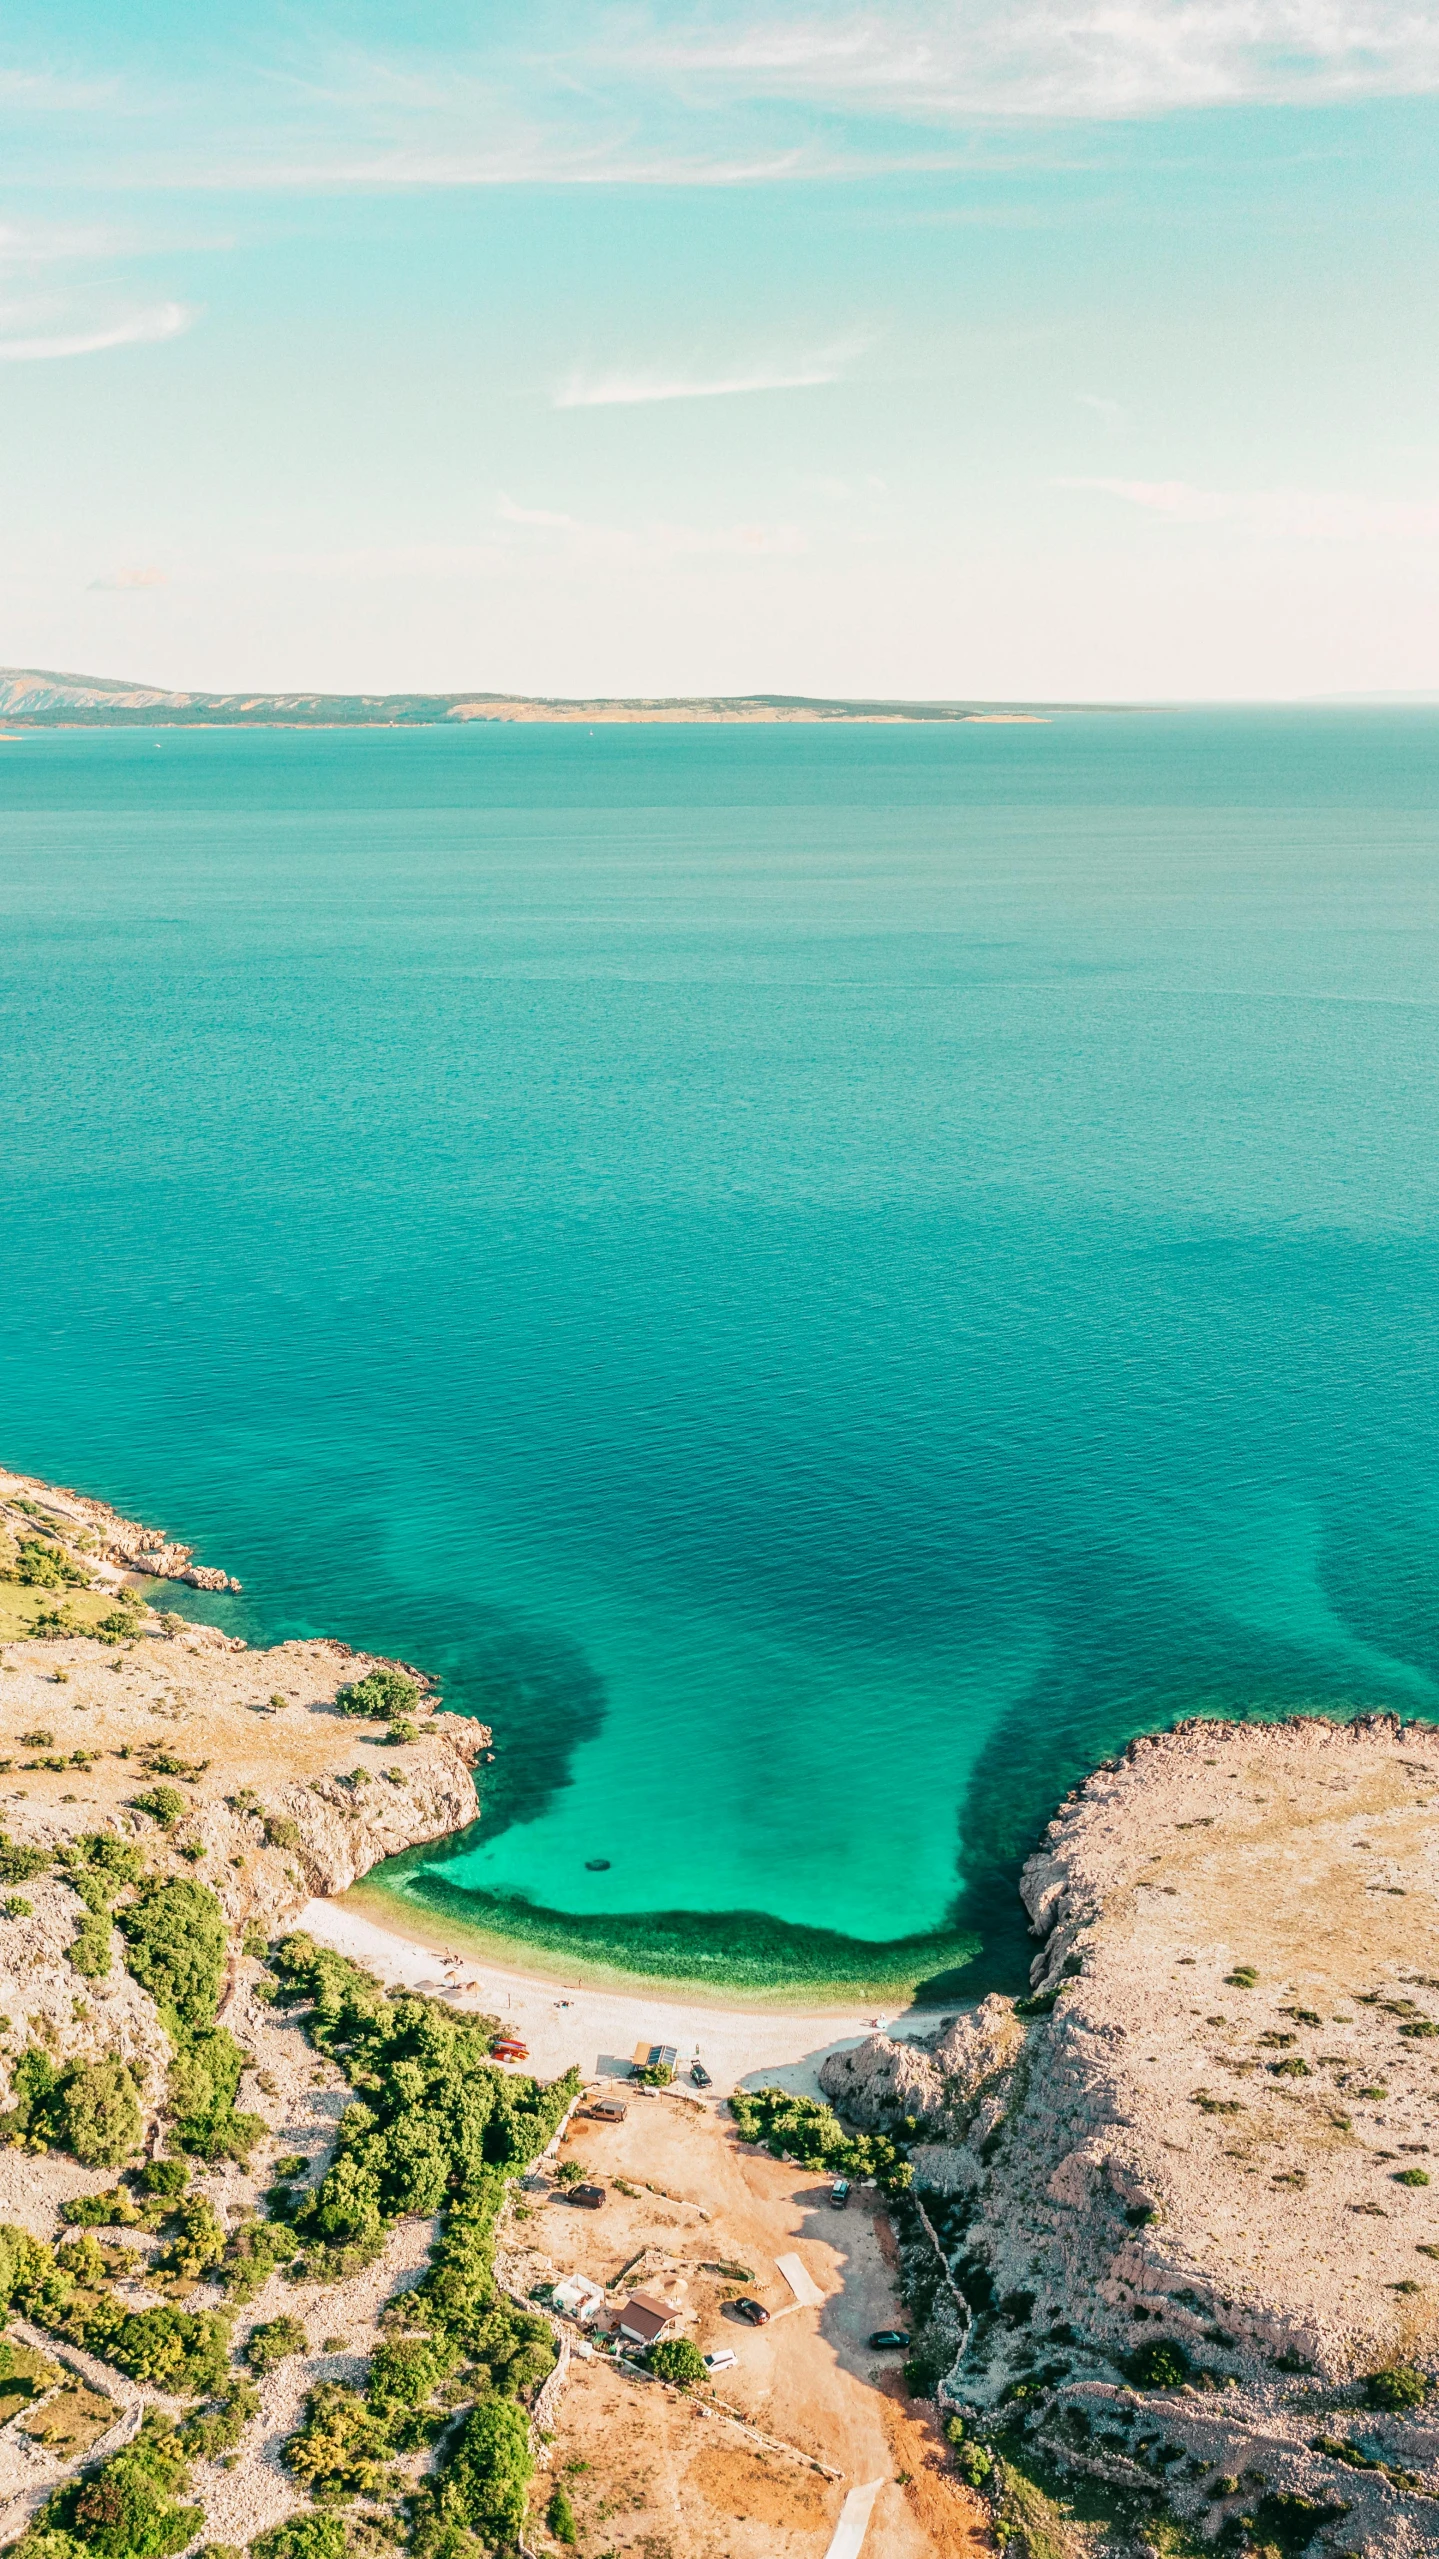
885,2339
755,2312
608,2110
699,2074
722,2361
839,2193
592,2197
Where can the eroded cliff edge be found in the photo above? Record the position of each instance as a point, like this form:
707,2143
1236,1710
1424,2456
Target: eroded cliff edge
228,1765
1184,2191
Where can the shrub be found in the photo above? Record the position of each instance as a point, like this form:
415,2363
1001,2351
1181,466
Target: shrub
1288,2523
18,1864
677,2359
560,2519
280,1831
198,2243
17,1907
974,2464
163,2177
1396,2387
811,2131
267,2346
486,2487
45,1567
252,2252
162,1804
303,2537
343,2449
571,2172
217,2428
1243,1977
382,1697
101,2113
1411,2176
1159,2364
126,2509
89,1948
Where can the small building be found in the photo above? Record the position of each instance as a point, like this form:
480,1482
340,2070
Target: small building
645,2319
579,2299
655,2056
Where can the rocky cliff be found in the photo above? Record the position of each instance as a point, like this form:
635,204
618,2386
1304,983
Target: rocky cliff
1188,2194
230,1765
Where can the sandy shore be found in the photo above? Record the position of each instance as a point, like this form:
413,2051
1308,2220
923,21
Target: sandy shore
598,2029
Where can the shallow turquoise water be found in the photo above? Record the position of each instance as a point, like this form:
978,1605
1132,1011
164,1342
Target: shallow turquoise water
822,1278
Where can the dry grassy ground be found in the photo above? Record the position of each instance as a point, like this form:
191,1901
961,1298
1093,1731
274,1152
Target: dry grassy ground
662,2479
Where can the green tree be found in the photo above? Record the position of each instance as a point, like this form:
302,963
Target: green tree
677,2359
486,2486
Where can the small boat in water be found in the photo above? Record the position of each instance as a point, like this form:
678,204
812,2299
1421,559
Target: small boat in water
597,1865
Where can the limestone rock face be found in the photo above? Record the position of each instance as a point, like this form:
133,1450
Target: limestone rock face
938,2079
1194,2204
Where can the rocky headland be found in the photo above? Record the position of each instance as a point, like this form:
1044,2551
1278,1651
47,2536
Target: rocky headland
1179,2238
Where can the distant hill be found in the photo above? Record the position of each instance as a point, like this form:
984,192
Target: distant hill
37,697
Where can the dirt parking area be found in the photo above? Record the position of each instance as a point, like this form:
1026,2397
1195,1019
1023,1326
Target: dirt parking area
665,2475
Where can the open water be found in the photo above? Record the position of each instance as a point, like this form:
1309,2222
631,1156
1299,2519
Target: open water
821,1277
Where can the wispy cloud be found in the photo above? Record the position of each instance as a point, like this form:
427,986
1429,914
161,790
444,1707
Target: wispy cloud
1111,411
138,328
1302,514
128,582
630,389
929,61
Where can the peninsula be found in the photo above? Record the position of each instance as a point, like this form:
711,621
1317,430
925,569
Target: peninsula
36,698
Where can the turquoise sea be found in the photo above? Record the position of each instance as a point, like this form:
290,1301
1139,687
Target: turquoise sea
822,1278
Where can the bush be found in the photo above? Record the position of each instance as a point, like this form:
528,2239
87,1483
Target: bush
268,2346
677,2359
89,2108
281,1832
17,1907
811,2132
45,1567
1411,2177
571,2172
343,2449
163,2177
1159,2364
101,2113
1396,2387
486,2487
126,2509
199,2241
560,2519
382,1697
89,1948
17,1864
974,2464
162,1804
217,2428
303,2537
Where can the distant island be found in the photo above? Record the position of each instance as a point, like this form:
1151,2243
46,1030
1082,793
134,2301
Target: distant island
37,697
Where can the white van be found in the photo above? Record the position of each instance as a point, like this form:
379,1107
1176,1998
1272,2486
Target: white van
722,2361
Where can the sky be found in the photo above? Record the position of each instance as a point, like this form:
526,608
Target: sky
963,349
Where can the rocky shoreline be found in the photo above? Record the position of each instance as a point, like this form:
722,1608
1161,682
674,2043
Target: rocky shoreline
1184,2190
271,1795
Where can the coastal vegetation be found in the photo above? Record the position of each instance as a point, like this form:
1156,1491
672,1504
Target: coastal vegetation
804,2128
